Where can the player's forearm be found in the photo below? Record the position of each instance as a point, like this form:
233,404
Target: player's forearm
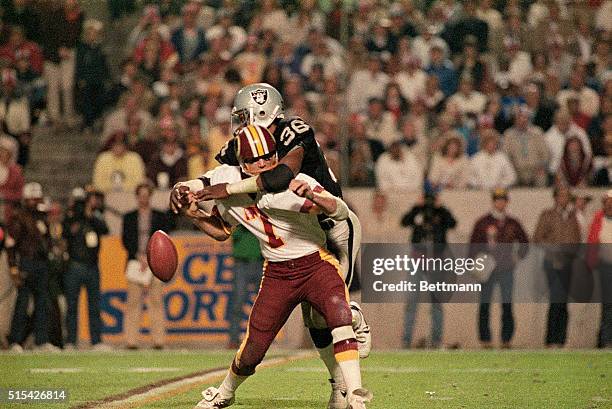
212,226
331,206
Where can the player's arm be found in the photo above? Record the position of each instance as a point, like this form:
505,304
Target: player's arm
324,202
211,224
273,180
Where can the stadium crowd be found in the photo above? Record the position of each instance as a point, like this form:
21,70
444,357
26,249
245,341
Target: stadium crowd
451,94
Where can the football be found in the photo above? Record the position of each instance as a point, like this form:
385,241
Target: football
162,256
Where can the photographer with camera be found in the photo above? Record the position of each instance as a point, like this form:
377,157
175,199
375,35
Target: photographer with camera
82,231
430,222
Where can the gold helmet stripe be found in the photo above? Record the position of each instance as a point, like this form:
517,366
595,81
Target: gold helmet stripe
249,137
256,140
263,140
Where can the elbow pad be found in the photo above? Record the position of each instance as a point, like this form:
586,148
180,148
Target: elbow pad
342,210
277,179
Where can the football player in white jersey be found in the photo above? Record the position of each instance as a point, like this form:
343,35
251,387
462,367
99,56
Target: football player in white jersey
298,268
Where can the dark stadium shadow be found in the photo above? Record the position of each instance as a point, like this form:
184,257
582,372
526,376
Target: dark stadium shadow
286,403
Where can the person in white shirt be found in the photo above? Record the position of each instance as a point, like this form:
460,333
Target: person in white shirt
411,80
491,168
399,169
492,17
380,123
450,169
467,99
421,45
558,134
588,98
365,84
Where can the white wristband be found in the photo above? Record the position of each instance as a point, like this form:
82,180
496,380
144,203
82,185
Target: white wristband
244,186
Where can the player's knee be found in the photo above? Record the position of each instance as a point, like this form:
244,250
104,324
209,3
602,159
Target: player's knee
321,338
345,344
342,333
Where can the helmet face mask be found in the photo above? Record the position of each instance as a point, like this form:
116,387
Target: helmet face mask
256,104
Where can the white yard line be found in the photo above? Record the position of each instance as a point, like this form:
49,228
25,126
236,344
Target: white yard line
186,384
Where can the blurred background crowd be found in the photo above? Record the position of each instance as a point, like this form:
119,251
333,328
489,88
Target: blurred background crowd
446,94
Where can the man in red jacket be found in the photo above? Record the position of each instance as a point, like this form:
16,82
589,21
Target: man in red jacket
599,256
497,230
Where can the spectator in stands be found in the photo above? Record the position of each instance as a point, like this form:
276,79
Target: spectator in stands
601,126
92,74
603,163
450,168
251,61
18,44
411,79
542,110
443,69
518,61
21,13
169,166
11,177
575,167
31,84
587,97
470,63
399,169
558,229
495,234
127,108
395,102
430,222
599,257
363,152
225,26
467,99
64,26
83,231
153,54
491,168
424,43
118,169
416,142
379,123
378,230
560,62
432,96
247,275
490,15
15,114
28,264
188,39
366,84
525,146
557,136
138,226
468,24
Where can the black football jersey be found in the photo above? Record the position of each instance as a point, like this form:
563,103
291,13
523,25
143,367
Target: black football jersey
290,133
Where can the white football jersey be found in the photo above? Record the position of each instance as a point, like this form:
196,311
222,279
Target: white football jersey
282,222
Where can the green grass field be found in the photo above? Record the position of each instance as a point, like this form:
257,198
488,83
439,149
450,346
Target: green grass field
402,380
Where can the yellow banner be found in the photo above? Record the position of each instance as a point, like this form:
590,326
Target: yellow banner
196,300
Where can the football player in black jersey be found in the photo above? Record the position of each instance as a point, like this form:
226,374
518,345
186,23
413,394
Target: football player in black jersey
298,152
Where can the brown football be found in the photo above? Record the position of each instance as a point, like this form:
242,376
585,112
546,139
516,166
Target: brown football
162,256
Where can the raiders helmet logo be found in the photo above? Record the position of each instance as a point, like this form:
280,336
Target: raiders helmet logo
260,96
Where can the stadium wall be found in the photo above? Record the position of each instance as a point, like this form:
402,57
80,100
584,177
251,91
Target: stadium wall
209,259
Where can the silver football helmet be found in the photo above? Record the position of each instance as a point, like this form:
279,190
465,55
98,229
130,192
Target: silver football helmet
257,104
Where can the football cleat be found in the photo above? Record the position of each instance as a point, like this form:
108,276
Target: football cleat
362,331
337,400
213,400
358,398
